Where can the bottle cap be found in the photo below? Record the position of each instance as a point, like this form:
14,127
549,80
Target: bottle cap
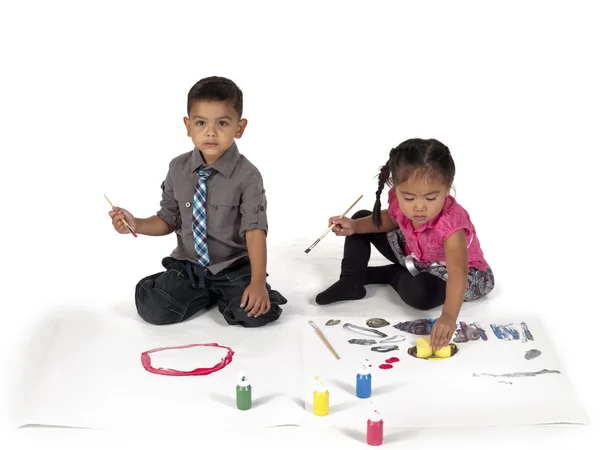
374,416
243,380
365,368
320,387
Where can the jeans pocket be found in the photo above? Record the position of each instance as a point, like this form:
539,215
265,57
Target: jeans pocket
239,275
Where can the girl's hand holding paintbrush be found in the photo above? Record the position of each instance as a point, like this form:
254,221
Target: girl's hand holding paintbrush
343,226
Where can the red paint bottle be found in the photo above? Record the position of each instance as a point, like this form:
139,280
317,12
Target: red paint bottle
375,429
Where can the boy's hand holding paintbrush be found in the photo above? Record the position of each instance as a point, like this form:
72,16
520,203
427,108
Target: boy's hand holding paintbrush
125,223
121,218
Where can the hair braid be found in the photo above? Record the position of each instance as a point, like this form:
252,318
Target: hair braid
384,176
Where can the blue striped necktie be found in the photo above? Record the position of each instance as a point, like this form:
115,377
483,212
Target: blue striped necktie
199,220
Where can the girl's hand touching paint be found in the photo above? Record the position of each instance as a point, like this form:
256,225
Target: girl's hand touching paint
442,331
343,226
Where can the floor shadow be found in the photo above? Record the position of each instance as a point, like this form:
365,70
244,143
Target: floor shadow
300,402
387,389
264,399
399,436
353,434
338,407
347,387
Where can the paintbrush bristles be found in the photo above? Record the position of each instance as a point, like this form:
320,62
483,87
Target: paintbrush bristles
324,339
312,246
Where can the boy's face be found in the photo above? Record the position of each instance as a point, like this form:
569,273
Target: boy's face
421,199
213,125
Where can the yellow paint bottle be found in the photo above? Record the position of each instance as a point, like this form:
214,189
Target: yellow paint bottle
320,399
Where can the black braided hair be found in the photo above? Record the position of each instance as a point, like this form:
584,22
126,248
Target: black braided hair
384,178
429,157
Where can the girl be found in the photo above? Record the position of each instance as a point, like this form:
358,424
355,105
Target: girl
426,234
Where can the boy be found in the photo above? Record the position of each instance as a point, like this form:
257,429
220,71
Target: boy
213,198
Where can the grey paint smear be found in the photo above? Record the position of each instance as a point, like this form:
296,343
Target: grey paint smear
384,348
528,334
516,374
363,341
332,322
533,353
377,323
362,330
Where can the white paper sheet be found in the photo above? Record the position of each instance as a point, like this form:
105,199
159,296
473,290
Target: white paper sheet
91,374
421,393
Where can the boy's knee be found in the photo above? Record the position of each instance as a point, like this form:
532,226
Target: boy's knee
236,315
153,305
360,214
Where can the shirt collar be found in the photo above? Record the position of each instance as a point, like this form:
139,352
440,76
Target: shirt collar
225,164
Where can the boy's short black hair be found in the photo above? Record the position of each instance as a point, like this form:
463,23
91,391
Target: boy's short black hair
216,88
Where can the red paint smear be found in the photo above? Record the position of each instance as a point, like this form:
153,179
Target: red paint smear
177,373
391,360
385,366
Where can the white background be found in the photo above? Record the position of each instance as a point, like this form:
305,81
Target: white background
92,97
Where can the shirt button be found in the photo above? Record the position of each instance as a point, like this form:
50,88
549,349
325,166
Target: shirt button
262,208
233,208
187,205
215,207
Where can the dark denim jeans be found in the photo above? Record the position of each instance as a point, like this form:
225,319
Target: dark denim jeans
173,296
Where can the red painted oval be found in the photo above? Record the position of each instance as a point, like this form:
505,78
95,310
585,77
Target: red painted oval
147,363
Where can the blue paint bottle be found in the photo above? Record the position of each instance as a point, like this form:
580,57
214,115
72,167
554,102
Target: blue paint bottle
363,380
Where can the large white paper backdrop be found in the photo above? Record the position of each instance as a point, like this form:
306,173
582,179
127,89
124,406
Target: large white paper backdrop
85,371
421,393
88,373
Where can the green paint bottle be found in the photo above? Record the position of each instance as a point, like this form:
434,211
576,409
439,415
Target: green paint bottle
243,393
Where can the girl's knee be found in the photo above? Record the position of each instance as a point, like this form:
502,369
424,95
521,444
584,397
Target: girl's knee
420,301
423,292
360,214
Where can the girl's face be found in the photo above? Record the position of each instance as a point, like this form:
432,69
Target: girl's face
421,198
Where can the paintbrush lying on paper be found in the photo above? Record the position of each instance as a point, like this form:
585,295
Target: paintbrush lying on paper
331,227
124,221
325,341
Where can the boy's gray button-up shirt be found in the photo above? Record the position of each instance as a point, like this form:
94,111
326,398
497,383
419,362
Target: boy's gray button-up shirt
236,203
